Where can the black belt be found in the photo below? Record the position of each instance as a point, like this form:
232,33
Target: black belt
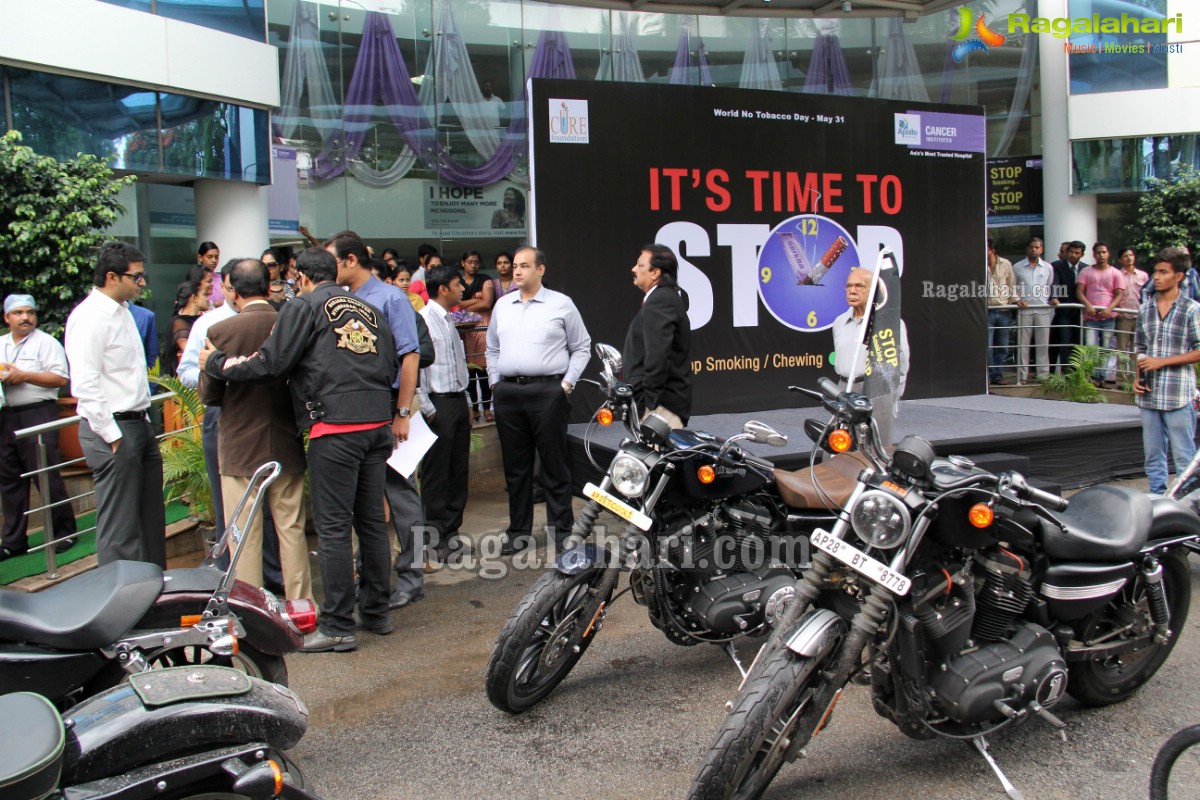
27,406
126,416
524,379
451,395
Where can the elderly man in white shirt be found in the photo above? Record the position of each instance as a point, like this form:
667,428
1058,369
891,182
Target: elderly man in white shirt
108,376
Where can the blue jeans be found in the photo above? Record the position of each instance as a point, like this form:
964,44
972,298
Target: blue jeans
1102,333
1178,427
999,336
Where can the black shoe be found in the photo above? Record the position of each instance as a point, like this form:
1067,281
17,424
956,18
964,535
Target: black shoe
401,598
514,545
7,553
63,545
318,642
380,629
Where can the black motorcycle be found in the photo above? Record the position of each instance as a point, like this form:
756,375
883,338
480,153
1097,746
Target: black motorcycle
969,601
183,732
710,536
90,631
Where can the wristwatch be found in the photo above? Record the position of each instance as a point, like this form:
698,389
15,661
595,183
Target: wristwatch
403,413
568,387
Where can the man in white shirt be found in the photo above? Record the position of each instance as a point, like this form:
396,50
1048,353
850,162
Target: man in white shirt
445,468
33,366
1035,298
108,376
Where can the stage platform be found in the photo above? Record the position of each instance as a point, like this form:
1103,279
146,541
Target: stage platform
1068,445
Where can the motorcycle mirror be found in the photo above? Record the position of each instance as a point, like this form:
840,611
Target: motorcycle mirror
762,433
611,357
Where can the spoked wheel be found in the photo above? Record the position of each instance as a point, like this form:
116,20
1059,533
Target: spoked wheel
1168,754
774,706
543,639
1113,679
248,659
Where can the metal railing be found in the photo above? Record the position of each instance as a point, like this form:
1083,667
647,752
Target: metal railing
45,468
1115,364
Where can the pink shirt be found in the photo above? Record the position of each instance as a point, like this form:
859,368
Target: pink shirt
1099,287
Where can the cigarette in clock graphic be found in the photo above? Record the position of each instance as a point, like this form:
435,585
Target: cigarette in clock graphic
802,270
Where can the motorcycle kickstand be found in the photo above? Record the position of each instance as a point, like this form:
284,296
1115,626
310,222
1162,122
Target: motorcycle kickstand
981,745
736,662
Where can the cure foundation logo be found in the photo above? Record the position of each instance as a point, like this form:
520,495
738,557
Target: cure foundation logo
568,121
984,38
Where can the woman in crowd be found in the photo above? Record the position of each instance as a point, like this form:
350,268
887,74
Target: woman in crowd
208,256
502,284
477,299
402,278
191,300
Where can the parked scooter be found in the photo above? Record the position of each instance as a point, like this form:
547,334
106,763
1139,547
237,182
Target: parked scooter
90,631
185,732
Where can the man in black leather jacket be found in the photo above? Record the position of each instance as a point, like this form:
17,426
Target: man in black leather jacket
340,360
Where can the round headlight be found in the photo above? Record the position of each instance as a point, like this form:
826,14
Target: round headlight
628,475
880,519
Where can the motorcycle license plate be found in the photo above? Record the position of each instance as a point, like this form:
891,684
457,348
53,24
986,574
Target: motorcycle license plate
622,510
860,562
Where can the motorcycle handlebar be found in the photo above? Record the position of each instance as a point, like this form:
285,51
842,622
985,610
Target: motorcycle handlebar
828,388
1051,501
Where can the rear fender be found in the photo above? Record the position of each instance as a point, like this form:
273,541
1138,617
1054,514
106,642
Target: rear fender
117,731
187,592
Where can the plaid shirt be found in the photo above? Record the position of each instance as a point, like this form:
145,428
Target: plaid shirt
1162,337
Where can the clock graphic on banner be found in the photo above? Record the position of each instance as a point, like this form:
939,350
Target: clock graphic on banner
802,271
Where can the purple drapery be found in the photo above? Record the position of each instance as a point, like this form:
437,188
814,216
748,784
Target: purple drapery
827,72
681,69
380,78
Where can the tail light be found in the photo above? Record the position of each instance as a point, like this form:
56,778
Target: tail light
301,615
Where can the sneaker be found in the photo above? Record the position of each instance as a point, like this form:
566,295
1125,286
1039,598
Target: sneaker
319,642
63,545
401,598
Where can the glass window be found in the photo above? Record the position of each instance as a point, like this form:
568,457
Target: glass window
1105,166
204,138
245,18
1118,62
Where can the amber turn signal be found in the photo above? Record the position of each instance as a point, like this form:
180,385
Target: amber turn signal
604,416
981,515
840,440
706,474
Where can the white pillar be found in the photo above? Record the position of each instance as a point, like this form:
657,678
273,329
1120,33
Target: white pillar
1068,216
234,215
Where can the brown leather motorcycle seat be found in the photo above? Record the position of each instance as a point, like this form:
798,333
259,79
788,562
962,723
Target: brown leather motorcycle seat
837,478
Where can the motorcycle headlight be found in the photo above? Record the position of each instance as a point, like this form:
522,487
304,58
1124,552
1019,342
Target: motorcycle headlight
628,475
880,519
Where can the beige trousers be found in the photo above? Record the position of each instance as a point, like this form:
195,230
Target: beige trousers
286,499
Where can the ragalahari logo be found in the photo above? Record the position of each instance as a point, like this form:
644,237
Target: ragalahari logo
984,39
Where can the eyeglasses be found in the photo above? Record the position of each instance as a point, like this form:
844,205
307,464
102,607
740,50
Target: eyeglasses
271,263
138,277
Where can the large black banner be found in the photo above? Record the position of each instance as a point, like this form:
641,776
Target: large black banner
769,199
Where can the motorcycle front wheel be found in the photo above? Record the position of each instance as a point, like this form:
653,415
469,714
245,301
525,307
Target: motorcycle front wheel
1102,682
542,640
758,731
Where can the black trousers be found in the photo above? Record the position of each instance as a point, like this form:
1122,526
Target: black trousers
445,469
1064,336
533,418
18,456
130,513
346,475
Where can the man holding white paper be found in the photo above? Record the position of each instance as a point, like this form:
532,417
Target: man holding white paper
444,472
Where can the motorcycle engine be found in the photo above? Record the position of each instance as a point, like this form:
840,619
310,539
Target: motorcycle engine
741,602
982,684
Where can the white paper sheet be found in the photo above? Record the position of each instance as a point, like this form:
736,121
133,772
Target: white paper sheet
408,454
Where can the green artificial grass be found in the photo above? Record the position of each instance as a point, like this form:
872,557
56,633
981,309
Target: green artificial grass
14,569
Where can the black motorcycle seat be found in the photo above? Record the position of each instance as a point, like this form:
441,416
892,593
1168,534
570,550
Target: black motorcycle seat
32,741
837,477
86,612
1103,523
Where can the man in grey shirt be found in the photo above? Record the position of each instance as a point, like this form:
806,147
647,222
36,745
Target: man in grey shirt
537,347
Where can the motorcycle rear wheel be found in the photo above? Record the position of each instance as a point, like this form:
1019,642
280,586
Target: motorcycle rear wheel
757,732
249,660
534,653
1111,680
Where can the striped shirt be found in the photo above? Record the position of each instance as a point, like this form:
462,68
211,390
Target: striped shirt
448,372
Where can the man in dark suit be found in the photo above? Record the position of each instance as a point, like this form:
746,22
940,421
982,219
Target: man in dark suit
1065,327
656,361
257,425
